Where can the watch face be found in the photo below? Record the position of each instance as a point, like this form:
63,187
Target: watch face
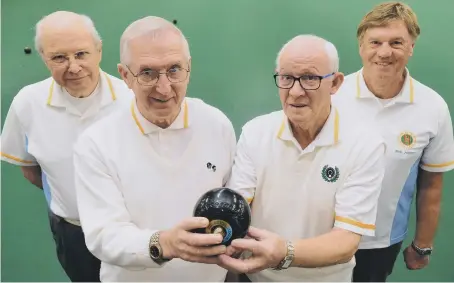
154,252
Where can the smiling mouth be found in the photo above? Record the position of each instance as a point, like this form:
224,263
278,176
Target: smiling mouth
159,100
298,105
384,64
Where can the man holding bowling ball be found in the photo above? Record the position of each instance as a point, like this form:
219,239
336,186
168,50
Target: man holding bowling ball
314,176
139,173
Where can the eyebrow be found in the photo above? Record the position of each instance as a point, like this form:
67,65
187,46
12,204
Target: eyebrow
166,66
394,38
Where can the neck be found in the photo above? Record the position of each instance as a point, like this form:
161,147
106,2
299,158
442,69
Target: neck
162,122
384,86
306,133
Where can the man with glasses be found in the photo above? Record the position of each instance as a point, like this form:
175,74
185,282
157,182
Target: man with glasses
140,173
45,119
313,176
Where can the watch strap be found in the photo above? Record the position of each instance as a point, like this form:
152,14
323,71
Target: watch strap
288,259
156,247
421,251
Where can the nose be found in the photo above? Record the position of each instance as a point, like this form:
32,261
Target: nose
163,84
297,90
74,66
384,51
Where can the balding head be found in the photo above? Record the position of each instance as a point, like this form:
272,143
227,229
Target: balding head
154,27
64,21
310,44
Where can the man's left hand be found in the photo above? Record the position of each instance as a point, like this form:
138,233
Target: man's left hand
267,250
413,260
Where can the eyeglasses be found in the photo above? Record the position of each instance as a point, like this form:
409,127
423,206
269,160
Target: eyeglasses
150,77
307,82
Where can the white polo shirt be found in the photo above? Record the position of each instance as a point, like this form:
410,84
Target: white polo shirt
299,194
417,129
42,125
134,179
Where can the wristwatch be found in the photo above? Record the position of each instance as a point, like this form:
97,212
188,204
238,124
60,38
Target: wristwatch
421,251
288,259
155,249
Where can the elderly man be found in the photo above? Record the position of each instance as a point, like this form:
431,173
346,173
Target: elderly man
313,174
45,118
416,124
139,180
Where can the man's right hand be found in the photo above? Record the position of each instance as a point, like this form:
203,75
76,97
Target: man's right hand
179,242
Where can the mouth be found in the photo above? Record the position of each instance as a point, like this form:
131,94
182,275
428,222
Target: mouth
159,100
296,105
383,64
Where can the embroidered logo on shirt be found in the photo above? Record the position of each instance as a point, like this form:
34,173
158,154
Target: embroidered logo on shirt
407,139
211,166
330,174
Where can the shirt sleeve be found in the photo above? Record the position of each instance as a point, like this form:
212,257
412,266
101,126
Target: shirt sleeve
356,201
14,141
243,178
438,156
109,232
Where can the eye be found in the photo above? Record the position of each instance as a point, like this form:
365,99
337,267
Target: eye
396,42
81,54
58,58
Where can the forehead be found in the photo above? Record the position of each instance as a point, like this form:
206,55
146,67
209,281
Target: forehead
63,40
391,30
304,60
157,52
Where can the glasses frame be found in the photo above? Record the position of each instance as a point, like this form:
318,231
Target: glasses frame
299,80
159,76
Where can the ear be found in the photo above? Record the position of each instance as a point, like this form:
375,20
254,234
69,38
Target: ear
412,46
125,75
100,47
337,82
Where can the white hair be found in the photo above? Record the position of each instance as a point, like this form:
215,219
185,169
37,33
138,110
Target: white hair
61,19
329,47
148,26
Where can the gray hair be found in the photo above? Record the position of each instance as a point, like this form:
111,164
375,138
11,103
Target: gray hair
61,18
148,26
330,49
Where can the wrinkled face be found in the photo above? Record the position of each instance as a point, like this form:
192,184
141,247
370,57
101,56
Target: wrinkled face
158,95
72,56
385,51
301,105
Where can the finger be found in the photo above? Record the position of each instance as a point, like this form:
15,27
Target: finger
232,264
257,233
207,260
231,250
246,245
248,265
200,240
193,223
205,251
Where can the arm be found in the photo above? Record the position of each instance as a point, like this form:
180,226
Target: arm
109,232
438,157
33,174
428,199
243,178
356,207
230,140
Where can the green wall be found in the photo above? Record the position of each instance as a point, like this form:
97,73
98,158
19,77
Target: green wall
233,45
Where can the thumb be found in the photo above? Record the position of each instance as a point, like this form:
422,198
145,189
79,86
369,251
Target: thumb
258,234
193,223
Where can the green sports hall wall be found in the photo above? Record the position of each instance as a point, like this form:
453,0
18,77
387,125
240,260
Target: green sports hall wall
233,45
